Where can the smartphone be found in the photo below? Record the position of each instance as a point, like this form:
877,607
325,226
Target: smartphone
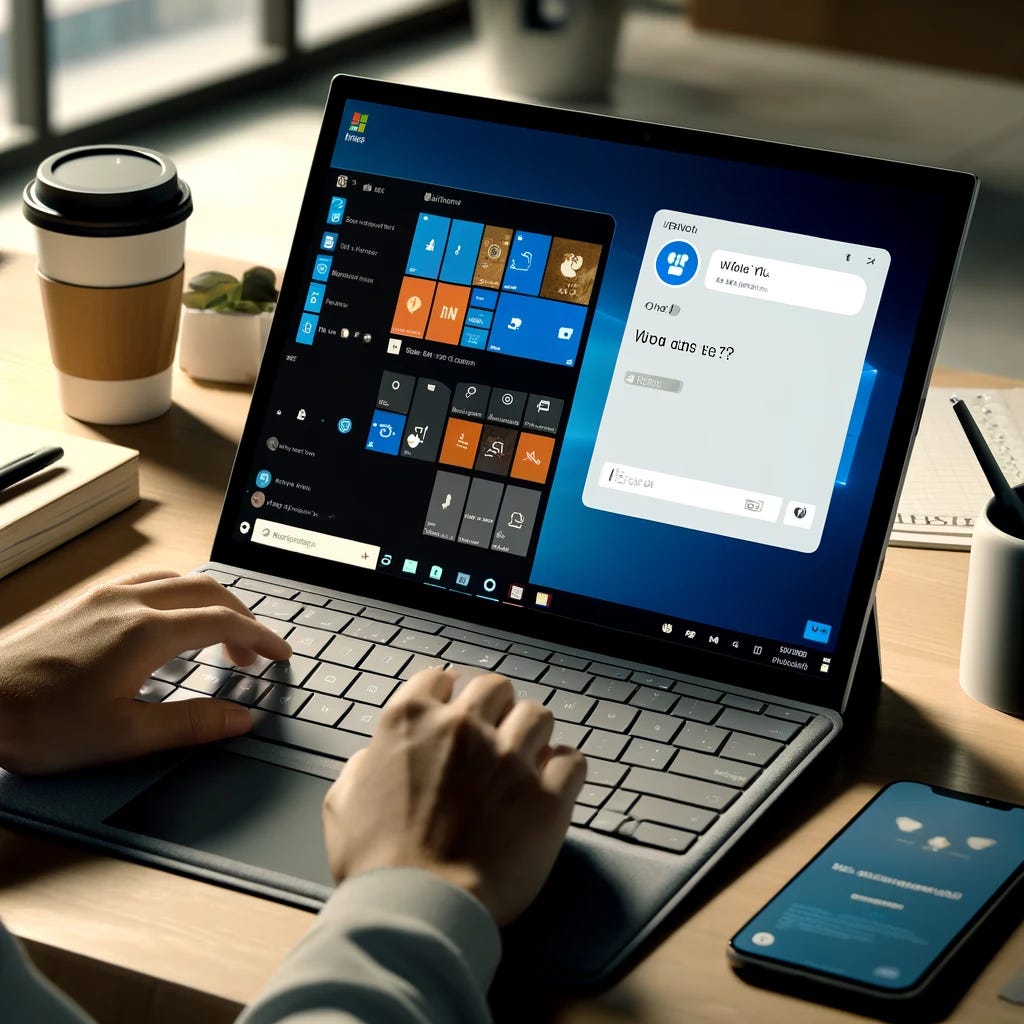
891,899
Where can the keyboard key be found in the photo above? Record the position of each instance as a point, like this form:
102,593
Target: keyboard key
345,606
530,691
224,578
788,714
381,615
477,639
330,679
243,689
152,691
565,679
324,618
607,821
609,715
521,668
279,608
591,795
183,694
207,679
292,672
646,679
695,690
603,744
270,589
609,671
215,655
697,710
483,658
604,773
654,726
418,662
679,787
410,640
256,667
283,700
758,725
308,735
367,629
653,700
421,625
371,689
387,661
569,707
648,753
306,597
567,660
620,801
308,641
706,738
665,812
567,734
610,689
581,815
248,597
663,837
343,650
754,749
280,627
324,709
734,700
363,719
529,651
174,671
714,769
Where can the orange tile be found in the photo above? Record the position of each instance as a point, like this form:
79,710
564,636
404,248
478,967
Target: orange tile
413,307
461,439
448,314
533,457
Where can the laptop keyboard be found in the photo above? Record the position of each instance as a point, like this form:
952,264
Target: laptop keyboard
665,756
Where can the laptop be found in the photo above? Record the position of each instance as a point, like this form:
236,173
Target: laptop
619,410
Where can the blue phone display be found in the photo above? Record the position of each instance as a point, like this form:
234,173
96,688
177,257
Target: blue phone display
893,891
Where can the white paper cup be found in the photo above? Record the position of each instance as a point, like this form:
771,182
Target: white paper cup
110,237
992,647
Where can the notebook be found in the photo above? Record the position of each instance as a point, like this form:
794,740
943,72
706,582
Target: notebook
945,488
617,409
91,482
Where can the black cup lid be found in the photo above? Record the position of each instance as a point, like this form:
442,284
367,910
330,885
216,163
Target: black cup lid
106,191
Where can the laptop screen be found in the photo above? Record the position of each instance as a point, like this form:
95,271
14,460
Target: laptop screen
594,380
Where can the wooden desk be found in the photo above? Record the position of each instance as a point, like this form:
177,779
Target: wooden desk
136,944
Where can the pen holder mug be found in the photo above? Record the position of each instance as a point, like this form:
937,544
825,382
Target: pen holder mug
992,646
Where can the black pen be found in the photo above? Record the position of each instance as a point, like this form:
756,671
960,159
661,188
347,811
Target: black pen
16,471
1006,498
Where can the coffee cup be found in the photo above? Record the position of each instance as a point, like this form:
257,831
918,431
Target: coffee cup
110,237
992,646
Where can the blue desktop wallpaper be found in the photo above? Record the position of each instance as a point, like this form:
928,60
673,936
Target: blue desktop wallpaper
683,574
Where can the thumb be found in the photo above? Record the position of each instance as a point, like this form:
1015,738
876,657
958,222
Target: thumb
183,723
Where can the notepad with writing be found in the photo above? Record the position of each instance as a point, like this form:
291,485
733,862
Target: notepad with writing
945,489
92,482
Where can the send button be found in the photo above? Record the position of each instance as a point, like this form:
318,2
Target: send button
819,632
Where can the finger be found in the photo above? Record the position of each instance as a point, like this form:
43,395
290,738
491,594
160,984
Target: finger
185,628
426,685
563,773
185,723
146,576
192,591
489,695
526,729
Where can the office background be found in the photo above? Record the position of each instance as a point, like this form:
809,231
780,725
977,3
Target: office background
244,146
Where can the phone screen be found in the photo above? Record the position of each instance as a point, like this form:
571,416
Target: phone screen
883,901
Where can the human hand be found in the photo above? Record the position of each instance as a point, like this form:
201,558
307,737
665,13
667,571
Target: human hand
67,678
467,788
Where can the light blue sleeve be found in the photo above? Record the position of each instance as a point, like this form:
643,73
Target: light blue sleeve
393,946
26,997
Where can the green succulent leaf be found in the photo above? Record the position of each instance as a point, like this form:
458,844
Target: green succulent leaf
210,279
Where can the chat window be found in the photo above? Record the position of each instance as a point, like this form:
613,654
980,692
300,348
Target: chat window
736,380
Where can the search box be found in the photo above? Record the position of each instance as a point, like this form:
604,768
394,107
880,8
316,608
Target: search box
321,545
681,490
793,284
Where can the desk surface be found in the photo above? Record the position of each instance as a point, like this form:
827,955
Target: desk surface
165,944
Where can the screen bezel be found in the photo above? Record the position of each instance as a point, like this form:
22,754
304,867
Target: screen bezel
954,190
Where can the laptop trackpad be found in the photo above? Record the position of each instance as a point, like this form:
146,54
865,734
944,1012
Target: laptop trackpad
239,808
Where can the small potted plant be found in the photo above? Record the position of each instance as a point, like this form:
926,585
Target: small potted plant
224,324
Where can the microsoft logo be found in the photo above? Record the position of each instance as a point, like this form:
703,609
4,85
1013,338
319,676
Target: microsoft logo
358,122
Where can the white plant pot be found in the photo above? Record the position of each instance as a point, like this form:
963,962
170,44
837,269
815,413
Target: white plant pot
222,347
